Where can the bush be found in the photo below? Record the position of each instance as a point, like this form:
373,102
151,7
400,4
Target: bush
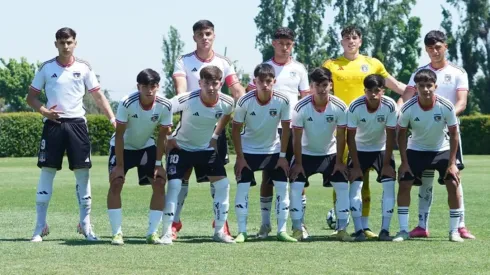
475,134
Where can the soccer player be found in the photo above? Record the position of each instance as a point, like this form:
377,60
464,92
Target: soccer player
292,81
259,147
433,145
452,83
349,71
194,144
186,79
65,79
133,146
316,118
371,124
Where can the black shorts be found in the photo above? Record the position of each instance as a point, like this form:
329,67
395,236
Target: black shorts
266,162
207,162
144,159
427,160
320,165
222,153
289,151
71,135
370,160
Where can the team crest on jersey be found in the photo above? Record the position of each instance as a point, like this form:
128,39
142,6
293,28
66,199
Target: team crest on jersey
380,118
329,118
218,114
172,170
42,157
447,78
76,74
292,74
154,117
273,112
364,68
437,117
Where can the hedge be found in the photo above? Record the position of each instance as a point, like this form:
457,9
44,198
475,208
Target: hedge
20,134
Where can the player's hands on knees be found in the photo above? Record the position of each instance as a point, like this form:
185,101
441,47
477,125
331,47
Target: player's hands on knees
117,172
342,168
355,173
283,164
295,171
52,114
403,169
388,171
172,144
160,174
453,172
239,165
214,144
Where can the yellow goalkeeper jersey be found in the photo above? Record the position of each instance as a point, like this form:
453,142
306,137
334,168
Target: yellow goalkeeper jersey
348,75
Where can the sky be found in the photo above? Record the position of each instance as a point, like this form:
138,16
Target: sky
119,40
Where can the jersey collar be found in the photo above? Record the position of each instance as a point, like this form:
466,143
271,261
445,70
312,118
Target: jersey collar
281,64
427,108
204,60
314,106
67,65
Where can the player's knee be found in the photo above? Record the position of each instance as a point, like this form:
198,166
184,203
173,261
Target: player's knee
158,186
404,188
116,186
49,170
82,175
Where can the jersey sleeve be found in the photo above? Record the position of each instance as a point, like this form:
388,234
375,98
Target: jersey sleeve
297,120
352,119
240,112
411,82
342,118
91,82
404,118
229,109
462,82
179,68
122,113
450,116
380,68
39,81
286,111
230,74
251,84
391,119
327,64
166,118
176,105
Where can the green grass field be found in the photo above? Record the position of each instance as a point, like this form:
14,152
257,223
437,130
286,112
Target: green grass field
65,252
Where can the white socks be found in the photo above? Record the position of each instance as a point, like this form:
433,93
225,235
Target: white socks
403,218
296,208
282,204
461,210
342,203
387,203
221,203
84,196
184,190
265,209
115,218
454,215
425,198
241,205
356,204
154,219
43,196
173,189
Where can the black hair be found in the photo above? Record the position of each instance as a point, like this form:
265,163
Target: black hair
425,75
264,70
374,81
285,33
202,25
211,73
320,74
352,29
148,77
65,33
432,37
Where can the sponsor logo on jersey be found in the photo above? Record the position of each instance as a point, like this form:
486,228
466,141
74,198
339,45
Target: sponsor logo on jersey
218,114
380,118
437,117
273,112
154,117
329,118
364,68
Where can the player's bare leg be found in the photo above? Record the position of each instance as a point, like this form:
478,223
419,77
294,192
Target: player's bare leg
221,202
266,193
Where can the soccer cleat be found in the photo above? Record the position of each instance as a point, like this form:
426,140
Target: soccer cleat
117,239
370,235
455,237
419,232
306,235
284,237
177,226
359,236
298,234
465,233
90,235
38,237
226,228
264,231
401,236
384,236
166,238
222,237
241,237
342,235
153,239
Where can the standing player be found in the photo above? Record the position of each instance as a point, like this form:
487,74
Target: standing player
65,79
316,118
371,137
259,147
186,79
433,145
194,144
452,83
133,146
291,80
349,71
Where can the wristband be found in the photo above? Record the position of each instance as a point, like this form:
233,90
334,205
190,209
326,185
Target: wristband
112,120
158,163
282,155
215,136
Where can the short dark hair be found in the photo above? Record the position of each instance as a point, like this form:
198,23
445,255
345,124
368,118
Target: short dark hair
374,81
285,33
211,73
350,30
425,75
65,33
264,70
148,77
432,37
320,74
202,24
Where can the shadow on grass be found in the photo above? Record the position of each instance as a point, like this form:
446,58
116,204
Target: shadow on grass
29,240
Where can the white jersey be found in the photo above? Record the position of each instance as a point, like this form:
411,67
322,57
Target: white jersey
428,127
370,126
450,80
140,122
319,126
65,86
190,65
197,120
259,134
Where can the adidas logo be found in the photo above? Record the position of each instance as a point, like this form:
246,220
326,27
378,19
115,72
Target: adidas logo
239,206
135,116
42,193
310,119
196,114
252,114
363,120
54,75
195,69
87,159
417,119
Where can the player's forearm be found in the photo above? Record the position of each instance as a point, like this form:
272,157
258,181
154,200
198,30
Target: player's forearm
35,104
402,144
161,143
103,104
286,132
460,107
222,124
453,146
351,142
407,94
297,146
340,145
237,91
390,144
237,139
180,85
119,148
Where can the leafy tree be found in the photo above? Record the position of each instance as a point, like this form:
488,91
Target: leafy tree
270,17
172,49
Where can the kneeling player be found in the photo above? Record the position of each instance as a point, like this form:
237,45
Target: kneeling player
370,146
429,147
316,149
194,144
258,147
132,146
